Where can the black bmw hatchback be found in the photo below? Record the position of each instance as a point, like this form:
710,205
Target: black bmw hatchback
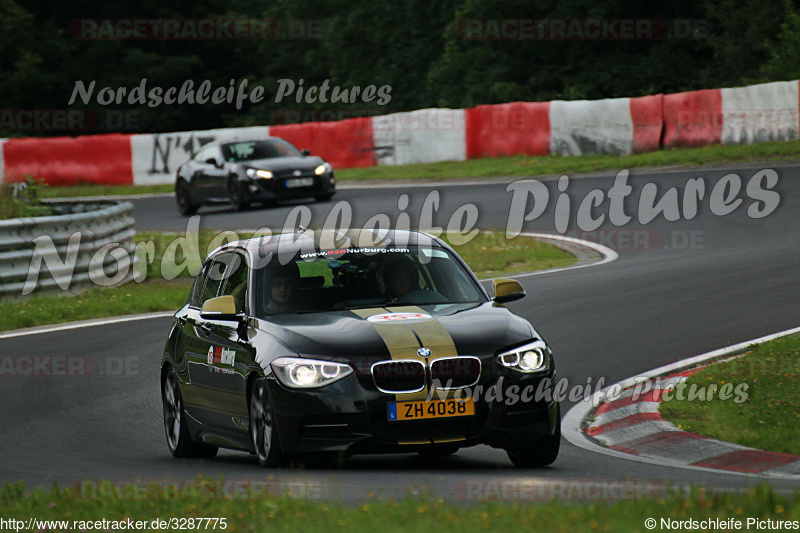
347,343
243,172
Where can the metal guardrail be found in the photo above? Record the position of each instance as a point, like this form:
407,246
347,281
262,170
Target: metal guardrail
97,224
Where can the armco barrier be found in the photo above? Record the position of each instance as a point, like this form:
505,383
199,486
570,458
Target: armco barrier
518,128
97,223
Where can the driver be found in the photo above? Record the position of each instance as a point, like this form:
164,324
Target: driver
400,276
283,282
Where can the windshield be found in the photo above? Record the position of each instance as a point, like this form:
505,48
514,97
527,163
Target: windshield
354,278
252,150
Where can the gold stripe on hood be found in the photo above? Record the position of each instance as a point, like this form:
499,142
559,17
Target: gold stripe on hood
404,338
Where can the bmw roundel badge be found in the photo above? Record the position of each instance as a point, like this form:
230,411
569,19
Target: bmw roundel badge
424,352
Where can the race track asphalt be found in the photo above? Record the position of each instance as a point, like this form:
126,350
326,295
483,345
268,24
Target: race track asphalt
678,289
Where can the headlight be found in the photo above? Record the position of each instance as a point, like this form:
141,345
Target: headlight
299,373
532,357
253,173
322,169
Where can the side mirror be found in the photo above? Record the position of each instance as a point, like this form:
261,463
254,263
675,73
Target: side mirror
220,308
507,290
305,151
212,161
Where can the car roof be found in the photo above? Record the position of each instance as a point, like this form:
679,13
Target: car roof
233,141
309,240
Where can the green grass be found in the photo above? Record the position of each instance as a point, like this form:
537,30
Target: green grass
25,204
769,419
88,189
282,514
490,255
516,166
131,298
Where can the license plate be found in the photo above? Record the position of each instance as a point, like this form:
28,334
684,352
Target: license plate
422,410
299,182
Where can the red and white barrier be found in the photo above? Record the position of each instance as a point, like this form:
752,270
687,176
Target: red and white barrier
156,158
692,118
518,128
759,113
648,122
422,136
102,159
343,144
591,127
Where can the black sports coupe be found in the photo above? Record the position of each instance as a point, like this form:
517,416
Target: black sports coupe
353,342
243,172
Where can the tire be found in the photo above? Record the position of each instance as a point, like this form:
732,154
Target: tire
539,452
263,432
323,197
184,199
175,427
236,195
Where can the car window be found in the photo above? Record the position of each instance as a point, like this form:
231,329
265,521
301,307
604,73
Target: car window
235,282
213,275
252,150
352,278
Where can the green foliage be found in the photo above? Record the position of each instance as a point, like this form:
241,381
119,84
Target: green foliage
417,47
743,40
784,54
21,200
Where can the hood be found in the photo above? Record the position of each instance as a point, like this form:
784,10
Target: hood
278,164
378,332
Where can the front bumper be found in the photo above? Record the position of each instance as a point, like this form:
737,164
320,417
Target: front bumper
350,417
279,187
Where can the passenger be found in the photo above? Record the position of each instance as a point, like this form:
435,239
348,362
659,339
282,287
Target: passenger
283,284
401,277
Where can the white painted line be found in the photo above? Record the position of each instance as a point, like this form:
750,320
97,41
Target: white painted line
84,324
571,423
608,254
